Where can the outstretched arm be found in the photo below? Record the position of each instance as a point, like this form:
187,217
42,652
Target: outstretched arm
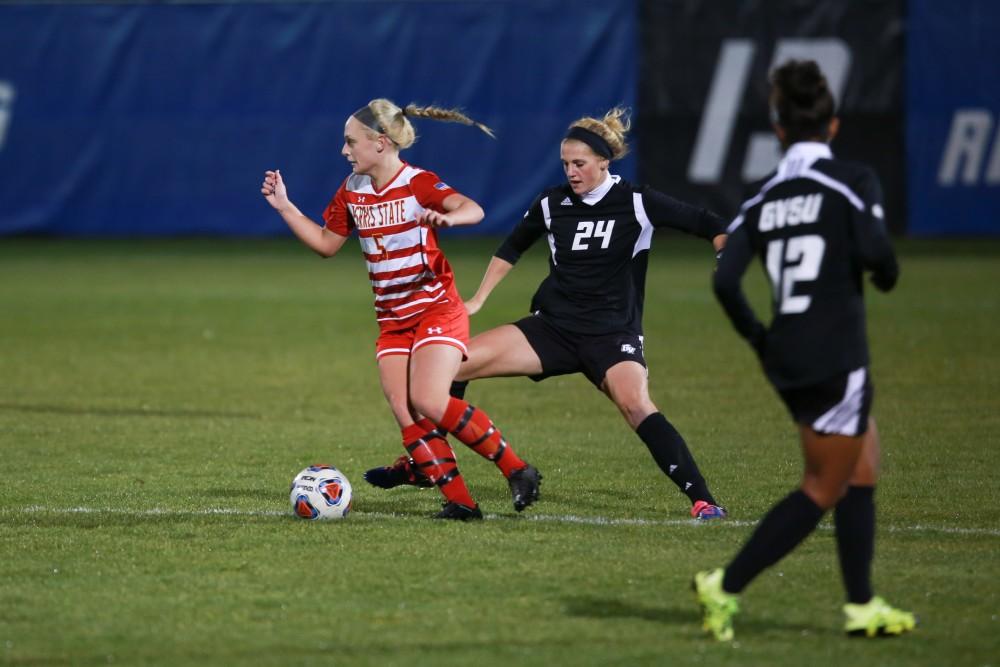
665,211
318,238
521,238
495,272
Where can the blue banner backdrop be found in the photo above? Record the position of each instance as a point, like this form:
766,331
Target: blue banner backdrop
160,119
953,117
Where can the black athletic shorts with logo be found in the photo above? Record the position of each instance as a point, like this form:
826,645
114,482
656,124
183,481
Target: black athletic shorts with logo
840,405
562,352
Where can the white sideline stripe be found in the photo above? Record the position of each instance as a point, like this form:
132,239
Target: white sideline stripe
544,518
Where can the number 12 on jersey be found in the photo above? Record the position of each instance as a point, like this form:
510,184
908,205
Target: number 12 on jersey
796,260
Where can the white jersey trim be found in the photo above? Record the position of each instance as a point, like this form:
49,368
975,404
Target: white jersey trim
392,350
548,226
834,184
402,280
443,339
390,265
399,295
842,419
408,304
646,234
404,239
797,163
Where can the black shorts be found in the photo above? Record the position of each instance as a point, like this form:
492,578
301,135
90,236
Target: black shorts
840,405
562,352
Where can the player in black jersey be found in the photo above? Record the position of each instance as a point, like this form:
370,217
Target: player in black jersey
816,223
587,314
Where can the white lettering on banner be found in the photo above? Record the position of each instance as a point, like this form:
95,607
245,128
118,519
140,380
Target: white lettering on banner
966,148
802,209
719,116
7,95
726,94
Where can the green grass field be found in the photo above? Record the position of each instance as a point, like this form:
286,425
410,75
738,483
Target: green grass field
156,398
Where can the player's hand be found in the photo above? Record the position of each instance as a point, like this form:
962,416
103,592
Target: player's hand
473,305
273,189
433,218
883,282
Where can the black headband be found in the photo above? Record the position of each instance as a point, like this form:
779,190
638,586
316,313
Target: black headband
367,118
596,142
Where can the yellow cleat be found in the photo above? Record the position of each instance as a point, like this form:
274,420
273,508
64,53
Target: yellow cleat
718,607
877,619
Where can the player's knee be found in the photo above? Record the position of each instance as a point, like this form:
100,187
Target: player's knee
635,409
399,404
825,494
429,404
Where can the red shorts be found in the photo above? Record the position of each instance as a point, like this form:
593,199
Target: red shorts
443,324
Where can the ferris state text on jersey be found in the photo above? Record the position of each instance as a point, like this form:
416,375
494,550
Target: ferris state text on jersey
598,251
406,267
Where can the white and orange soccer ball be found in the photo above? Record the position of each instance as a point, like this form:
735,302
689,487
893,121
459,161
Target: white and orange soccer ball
321,492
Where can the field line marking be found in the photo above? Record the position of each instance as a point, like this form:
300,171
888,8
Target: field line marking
544,518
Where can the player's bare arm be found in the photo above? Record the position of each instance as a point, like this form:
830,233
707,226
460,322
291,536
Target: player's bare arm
320,239
495,272
460,210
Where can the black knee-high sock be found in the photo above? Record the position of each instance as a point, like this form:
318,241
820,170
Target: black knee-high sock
854,518
785,526
672,455
458,388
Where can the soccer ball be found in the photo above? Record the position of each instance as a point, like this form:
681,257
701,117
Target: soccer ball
321,492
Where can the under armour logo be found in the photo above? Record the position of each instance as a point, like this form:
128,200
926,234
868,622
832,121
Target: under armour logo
435,330
628,349
361,199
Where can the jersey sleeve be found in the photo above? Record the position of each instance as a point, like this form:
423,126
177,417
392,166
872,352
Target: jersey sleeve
870,234
524,235
336,216
431,191
665,211
727,282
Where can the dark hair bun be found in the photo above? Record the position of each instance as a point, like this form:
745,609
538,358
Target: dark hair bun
805,84
801,100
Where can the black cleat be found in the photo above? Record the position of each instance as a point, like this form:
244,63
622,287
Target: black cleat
524,485
403,471
458,512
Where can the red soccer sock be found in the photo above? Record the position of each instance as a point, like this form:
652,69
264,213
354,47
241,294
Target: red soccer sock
473,427
436,459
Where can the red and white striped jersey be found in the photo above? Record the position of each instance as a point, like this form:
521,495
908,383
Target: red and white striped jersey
407,269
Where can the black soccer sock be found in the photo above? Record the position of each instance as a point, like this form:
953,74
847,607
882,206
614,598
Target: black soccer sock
458,388
785,526
854,518
672,455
